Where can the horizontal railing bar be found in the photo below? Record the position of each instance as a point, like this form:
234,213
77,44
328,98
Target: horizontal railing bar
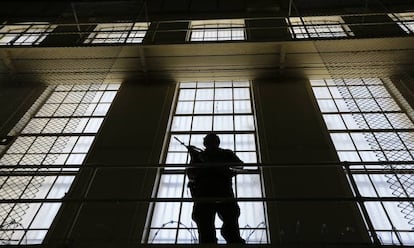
215,199
244,172
247,165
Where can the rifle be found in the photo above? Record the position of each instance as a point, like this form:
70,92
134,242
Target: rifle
190,148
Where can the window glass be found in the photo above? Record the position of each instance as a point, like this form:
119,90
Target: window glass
18,34
377,130
318,27
55,135
118,33
217,30
224,107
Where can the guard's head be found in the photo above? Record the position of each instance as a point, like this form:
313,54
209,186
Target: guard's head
211,141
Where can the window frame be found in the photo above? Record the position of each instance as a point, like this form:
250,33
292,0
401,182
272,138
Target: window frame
309,27
373,127
52,158
124,33
253,172
25,30
220,26
405,20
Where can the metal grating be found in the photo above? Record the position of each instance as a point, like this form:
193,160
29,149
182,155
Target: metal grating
367,124
60,133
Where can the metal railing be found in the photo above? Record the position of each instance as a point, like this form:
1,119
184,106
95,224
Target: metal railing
350,169
283,30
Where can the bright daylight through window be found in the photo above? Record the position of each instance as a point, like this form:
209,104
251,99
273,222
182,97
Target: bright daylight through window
59,135
118,33
367,124
318,27
404,20
217,30
202,107
25,33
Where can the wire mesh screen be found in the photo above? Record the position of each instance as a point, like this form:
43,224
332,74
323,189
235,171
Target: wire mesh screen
59,134
367,124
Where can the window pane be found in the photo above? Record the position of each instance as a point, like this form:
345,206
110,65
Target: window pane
184,107
93,125
227,141
244,122
223,94
186,94
242,107
203,107
223,107
181,123
327,106
241,93
46,215
83,144
75,159
223,123
342,141
321,92
334,122
202,123
204,94
176,158
101,109
170,186
245,142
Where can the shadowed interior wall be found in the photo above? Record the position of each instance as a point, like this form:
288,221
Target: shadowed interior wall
15,100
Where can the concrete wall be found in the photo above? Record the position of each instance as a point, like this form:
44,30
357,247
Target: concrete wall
15,100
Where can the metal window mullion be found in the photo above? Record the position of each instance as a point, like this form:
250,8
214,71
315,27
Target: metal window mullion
234,136
55,134
214,100
190,132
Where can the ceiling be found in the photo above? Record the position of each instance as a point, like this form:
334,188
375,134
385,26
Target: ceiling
192,9
306,59
181,62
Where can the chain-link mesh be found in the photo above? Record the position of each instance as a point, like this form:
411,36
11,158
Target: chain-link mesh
389,130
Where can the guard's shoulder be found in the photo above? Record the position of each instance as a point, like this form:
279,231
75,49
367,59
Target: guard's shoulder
226,150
